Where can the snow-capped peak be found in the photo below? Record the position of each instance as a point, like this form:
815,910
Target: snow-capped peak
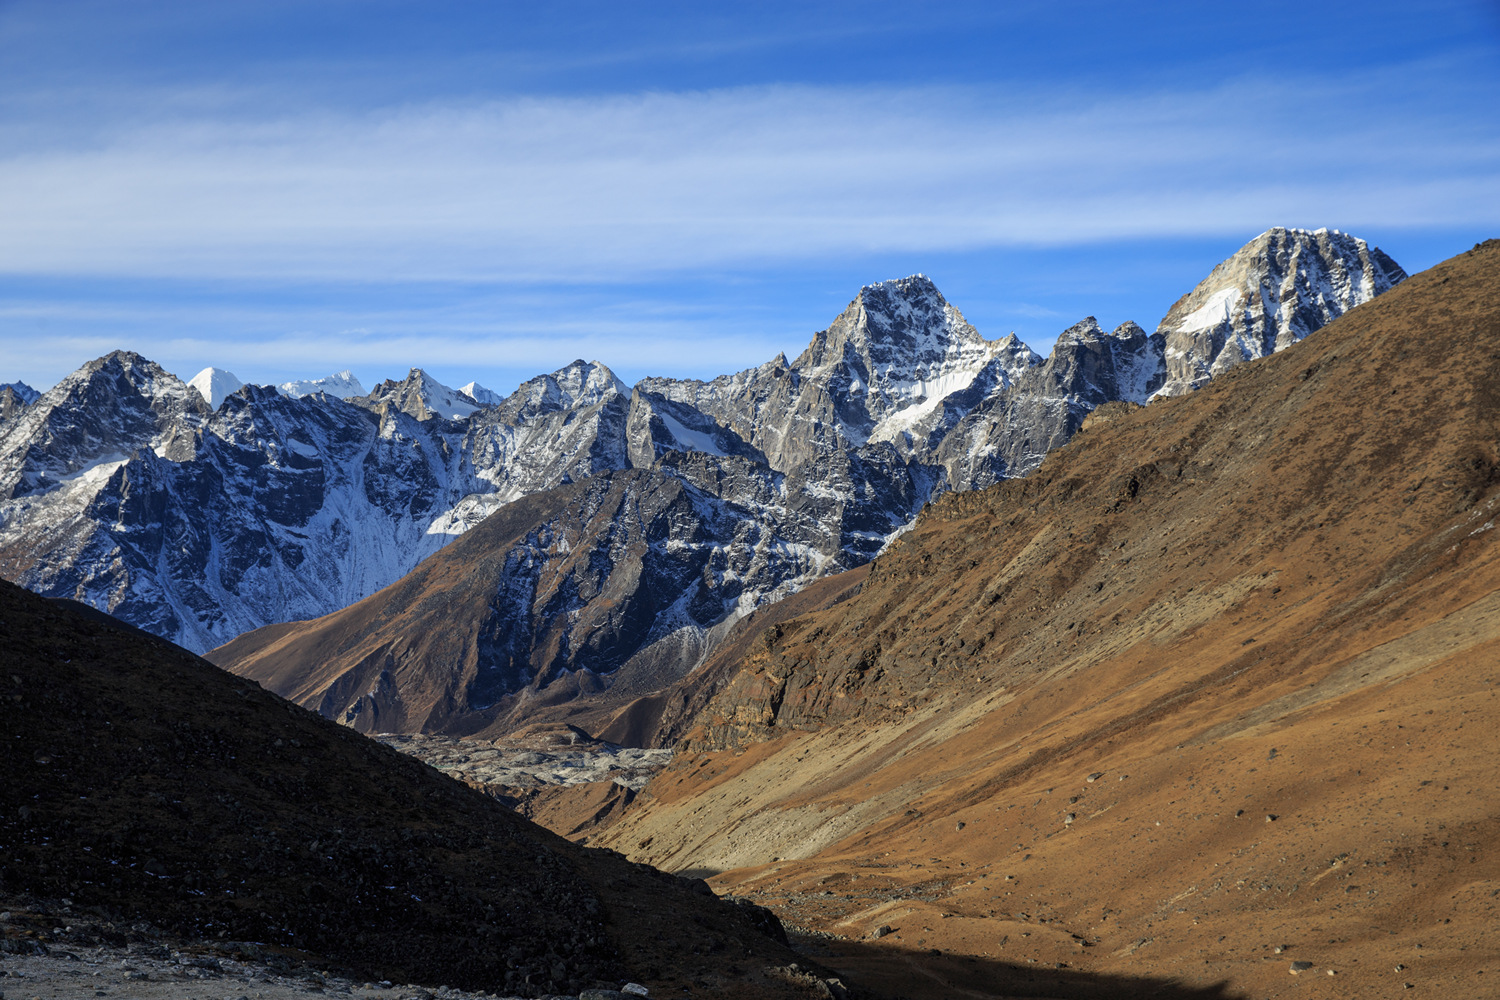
213,384
341,384
481,395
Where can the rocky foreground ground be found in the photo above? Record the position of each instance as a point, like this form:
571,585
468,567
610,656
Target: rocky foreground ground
49,951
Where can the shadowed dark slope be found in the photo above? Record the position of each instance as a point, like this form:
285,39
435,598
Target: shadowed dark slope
143,783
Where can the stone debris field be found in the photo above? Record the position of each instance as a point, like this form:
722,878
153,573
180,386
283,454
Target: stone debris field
481,762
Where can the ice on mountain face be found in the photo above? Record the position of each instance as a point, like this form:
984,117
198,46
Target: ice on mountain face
25,393
689,439
481,395
1218,309
341,384
213,384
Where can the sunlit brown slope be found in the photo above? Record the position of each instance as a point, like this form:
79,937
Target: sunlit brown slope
1220,677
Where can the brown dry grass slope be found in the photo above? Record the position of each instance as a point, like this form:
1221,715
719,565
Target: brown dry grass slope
1220,677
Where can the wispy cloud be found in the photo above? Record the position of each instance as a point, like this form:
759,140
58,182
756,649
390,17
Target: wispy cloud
616,188
499,341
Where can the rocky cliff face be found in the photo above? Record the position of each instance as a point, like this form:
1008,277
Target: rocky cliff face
121,488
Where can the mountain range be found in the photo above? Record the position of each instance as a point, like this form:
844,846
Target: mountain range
1210,697
126,489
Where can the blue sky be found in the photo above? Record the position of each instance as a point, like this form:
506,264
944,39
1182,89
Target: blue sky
489,190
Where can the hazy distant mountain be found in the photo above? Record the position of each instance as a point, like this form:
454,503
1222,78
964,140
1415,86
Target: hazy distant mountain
341,384
23,392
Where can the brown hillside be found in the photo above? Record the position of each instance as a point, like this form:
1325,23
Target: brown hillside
144,784
1220,677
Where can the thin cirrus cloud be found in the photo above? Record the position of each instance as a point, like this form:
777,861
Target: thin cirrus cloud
617,188
501,342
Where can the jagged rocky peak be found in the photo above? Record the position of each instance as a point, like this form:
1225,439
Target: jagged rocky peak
104,411
1090,366
1272,292
894,327
13,402
422,396
579,384
213,384
900,344
340,384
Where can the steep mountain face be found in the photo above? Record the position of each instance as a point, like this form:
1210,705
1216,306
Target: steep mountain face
553,430
11,403
202,523
1274,291
79,429
143,784
267,508
620,582
1009,433
1222,666
121,491
899,366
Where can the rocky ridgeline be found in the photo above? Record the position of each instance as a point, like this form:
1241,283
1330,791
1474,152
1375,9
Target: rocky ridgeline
495,764
123,488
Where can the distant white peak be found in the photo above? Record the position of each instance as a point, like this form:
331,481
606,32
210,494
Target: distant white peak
341,384
481,395
215,384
